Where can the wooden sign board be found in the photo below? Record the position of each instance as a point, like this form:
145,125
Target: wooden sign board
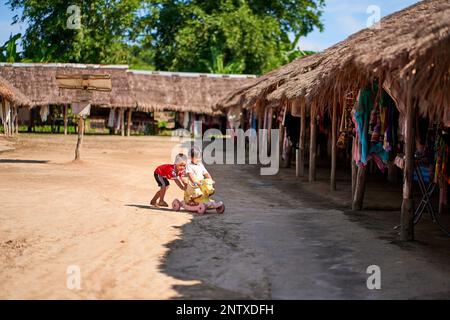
97,82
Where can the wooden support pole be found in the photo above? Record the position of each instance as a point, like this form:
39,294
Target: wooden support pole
122,122
65,114
80,138
2,111
313,144
129,122
16,125
301,150
407,213
360,188
333,147
269,128
354,169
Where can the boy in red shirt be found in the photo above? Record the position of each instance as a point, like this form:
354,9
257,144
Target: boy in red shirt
167,172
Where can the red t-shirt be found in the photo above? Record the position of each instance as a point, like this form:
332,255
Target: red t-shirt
168,171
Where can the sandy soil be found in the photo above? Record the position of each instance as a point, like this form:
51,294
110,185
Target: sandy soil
55,213
280,237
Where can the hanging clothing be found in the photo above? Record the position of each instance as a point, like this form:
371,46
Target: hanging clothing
112,113
44,112
367,121
441,173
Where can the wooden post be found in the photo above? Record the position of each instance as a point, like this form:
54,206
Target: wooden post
360,188
65,118
80,138
301,150
333,147
129,122
354,169
122,122
269,128
407,213
313,145
2,111
17,120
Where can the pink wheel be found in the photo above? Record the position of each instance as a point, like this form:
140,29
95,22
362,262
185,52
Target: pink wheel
176,205
221,209
201,208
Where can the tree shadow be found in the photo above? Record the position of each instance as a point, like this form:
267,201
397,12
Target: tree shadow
13,161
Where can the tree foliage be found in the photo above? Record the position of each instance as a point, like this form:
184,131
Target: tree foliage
222,36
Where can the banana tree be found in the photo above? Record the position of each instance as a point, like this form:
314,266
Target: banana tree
8,52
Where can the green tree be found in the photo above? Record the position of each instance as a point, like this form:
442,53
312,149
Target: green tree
103,36
8,52
199,35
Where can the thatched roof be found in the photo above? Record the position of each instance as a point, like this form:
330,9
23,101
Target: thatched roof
182,91
38,82
13,95
410,47
146,90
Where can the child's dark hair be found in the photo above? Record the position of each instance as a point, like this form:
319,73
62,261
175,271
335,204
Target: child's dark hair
195,152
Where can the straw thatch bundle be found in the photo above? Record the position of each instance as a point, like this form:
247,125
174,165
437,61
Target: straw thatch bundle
13,95
38,82
413,60
182,91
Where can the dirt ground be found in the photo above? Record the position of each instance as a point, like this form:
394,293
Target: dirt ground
280,238
55,214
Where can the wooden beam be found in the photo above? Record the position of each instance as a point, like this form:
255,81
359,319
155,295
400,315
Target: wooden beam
65,114
333,147
80,138
313,144
407,213
129,122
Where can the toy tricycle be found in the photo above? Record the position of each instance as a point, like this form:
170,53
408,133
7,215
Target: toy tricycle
197,199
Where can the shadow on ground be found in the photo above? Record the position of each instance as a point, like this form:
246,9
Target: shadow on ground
22,161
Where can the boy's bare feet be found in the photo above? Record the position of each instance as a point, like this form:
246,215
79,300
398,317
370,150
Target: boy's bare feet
153,202
163,204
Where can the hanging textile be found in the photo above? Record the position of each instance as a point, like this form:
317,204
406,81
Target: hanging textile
44,113
367,121
112,113
118,119
442,150
346,126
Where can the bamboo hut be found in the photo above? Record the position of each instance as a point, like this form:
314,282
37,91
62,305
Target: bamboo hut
192,96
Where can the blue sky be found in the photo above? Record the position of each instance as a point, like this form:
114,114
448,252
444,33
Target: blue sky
341,18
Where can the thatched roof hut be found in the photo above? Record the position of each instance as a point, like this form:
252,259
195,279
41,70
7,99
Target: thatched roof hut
38,82
148,91
413,60
181,91
13,95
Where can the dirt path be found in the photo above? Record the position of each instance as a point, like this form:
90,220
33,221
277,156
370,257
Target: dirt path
278,240
55,214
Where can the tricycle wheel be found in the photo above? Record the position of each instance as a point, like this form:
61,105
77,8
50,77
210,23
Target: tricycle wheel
176,205
201,208
221,209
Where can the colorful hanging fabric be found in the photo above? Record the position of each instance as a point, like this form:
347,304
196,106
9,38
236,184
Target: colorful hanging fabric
368,129
441,174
